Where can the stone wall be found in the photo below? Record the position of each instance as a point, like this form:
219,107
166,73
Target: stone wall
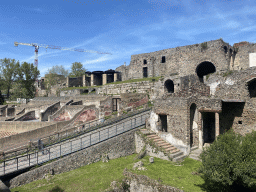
115,147
49,111
241,58
180,60
135,87
19,127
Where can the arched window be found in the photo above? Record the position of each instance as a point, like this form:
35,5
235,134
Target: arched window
225,49
252,88
205,68
169,86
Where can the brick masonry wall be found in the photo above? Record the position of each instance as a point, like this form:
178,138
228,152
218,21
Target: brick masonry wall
181,60
116,147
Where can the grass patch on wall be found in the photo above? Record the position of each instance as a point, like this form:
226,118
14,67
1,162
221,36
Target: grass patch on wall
98,176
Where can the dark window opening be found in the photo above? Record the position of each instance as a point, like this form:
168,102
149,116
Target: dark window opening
239,122
208,127
115,104
163,119
230,51
163,59
252,88
205,68
169,86
144,61
225,49
145,72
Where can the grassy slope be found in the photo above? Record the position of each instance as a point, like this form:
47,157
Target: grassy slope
98,176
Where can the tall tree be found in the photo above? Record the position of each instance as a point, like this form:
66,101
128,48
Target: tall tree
58,70
9,69
28,74
54,75
77,69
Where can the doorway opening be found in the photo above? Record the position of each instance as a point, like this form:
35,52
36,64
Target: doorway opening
208,127
163,123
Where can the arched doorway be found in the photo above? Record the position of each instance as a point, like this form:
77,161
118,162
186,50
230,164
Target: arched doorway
193,122
205,68
169,86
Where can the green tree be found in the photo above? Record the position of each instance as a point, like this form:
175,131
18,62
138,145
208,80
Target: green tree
9,69
77,70
27,75
59,70
229,164
54,75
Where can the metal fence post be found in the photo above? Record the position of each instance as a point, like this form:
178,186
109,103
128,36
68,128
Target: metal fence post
71,145
99,136
37,158
17,163
4,166
116,129
90,139
108,133
49,153
60,149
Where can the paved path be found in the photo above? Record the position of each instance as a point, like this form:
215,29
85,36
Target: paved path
73,145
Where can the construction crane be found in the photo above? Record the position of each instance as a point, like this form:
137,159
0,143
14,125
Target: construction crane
54,47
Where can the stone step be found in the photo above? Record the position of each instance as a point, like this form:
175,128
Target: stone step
153,136
161,144
158,139
174,151
179,158
171,149
194,148
173,155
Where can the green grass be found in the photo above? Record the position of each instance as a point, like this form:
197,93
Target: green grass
98,176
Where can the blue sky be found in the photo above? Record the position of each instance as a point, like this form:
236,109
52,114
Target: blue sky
120,27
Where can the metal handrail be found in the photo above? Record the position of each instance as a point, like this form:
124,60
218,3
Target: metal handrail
34,158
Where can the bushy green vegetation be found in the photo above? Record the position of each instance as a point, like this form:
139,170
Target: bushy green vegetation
229,164
98,176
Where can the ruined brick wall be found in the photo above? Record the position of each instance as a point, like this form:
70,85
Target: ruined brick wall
180,60
176,111
75,82
49,111
241,58
133,100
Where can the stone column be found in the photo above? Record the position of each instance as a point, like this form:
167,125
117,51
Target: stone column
92,79
67,81
217,125
200,131
84,81
115,77
104,79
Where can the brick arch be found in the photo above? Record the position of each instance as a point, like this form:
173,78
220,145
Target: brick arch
205,68
169,86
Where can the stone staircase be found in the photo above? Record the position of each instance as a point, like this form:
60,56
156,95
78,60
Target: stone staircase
194,153
174,153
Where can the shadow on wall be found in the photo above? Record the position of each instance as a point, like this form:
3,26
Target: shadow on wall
230,110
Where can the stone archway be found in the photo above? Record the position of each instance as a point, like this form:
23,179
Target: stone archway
193,122
205,68
169,86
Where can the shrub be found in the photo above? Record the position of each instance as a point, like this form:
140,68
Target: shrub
230,162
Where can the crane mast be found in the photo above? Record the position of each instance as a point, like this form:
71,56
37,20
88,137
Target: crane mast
54,47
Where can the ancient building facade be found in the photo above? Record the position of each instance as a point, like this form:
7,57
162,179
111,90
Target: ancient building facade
200,59
190,112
